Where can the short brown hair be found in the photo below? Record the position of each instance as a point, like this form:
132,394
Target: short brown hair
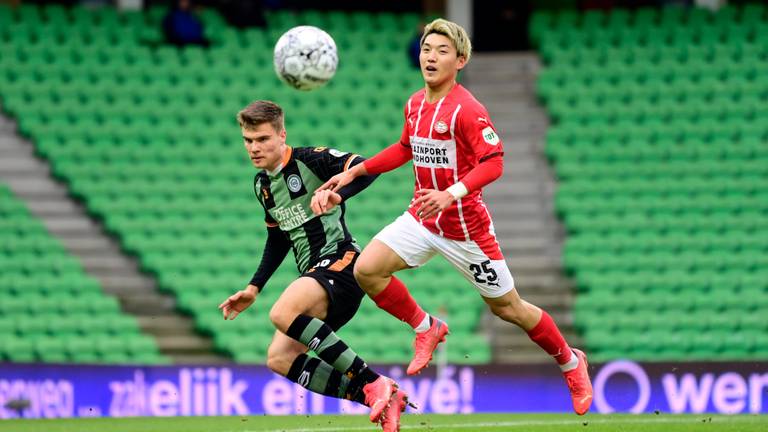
454,32
261,111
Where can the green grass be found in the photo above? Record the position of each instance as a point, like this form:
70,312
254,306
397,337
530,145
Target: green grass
411,422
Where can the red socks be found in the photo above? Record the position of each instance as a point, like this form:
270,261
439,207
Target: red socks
396,300
547,335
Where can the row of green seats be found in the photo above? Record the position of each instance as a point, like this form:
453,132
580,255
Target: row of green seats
743,260
70,303
736,114
128,90
666,222
739,57
620,18
78,349
75,65
674,321
78,140
685,92
63,322
629,86
603,116
664,319
673,281
154,120
730,241
675,37
573,170
639,151
654,203
701,144
656,61
720,300
644,20
751,184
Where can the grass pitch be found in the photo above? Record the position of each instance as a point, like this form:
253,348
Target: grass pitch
410,422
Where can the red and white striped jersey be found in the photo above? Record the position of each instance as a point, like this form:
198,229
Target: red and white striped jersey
447,139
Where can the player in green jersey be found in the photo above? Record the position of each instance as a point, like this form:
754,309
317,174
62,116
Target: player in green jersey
326,295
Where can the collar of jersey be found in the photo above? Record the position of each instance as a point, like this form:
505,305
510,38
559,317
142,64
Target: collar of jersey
286,158
276,171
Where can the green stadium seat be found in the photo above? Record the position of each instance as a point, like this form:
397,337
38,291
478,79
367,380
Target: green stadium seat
17,349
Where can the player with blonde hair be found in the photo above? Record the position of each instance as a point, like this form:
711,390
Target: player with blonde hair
456,151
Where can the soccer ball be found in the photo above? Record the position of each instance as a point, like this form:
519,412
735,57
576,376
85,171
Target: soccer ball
305,57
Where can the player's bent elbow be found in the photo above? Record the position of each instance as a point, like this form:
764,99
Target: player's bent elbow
499,173
498,169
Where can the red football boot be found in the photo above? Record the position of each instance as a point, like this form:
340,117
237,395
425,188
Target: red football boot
579,384
425,345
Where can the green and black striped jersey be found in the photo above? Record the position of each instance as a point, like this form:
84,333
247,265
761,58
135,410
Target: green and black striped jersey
286,197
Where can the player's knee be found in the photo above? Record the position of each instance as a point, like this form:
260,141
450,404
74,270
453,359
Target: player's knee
367,272
280,319
364,272
508,312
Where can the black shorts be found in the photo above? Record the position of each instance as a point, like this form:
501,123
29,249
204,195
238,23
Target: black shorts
335,273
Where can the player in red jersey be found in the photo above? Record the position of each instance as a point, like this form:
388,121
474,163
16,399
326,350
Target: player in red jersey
455,151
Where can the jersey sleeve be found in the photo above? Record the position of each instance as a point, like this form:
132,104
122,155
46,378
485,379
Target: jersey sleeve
388,159
275,249
479,133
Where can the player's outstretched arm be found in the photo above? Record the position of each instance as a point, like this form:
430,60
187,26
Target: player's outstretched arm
342,179
394,156
238,302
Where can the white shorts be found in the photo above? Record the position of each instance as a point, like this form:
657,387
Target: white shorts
416,245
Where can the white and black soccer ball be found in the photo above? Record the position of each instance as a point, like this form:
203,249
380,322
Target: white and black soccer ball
305,57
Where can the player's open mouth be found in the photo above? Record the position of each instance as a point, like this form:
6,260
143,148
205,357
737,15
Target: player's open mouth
430,69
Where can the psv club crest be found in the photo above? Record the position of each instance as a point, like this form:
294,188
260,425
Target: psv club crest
441,127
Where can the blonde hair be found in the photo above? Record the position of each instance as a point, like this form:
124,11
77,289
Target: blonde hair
454,32
261,111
